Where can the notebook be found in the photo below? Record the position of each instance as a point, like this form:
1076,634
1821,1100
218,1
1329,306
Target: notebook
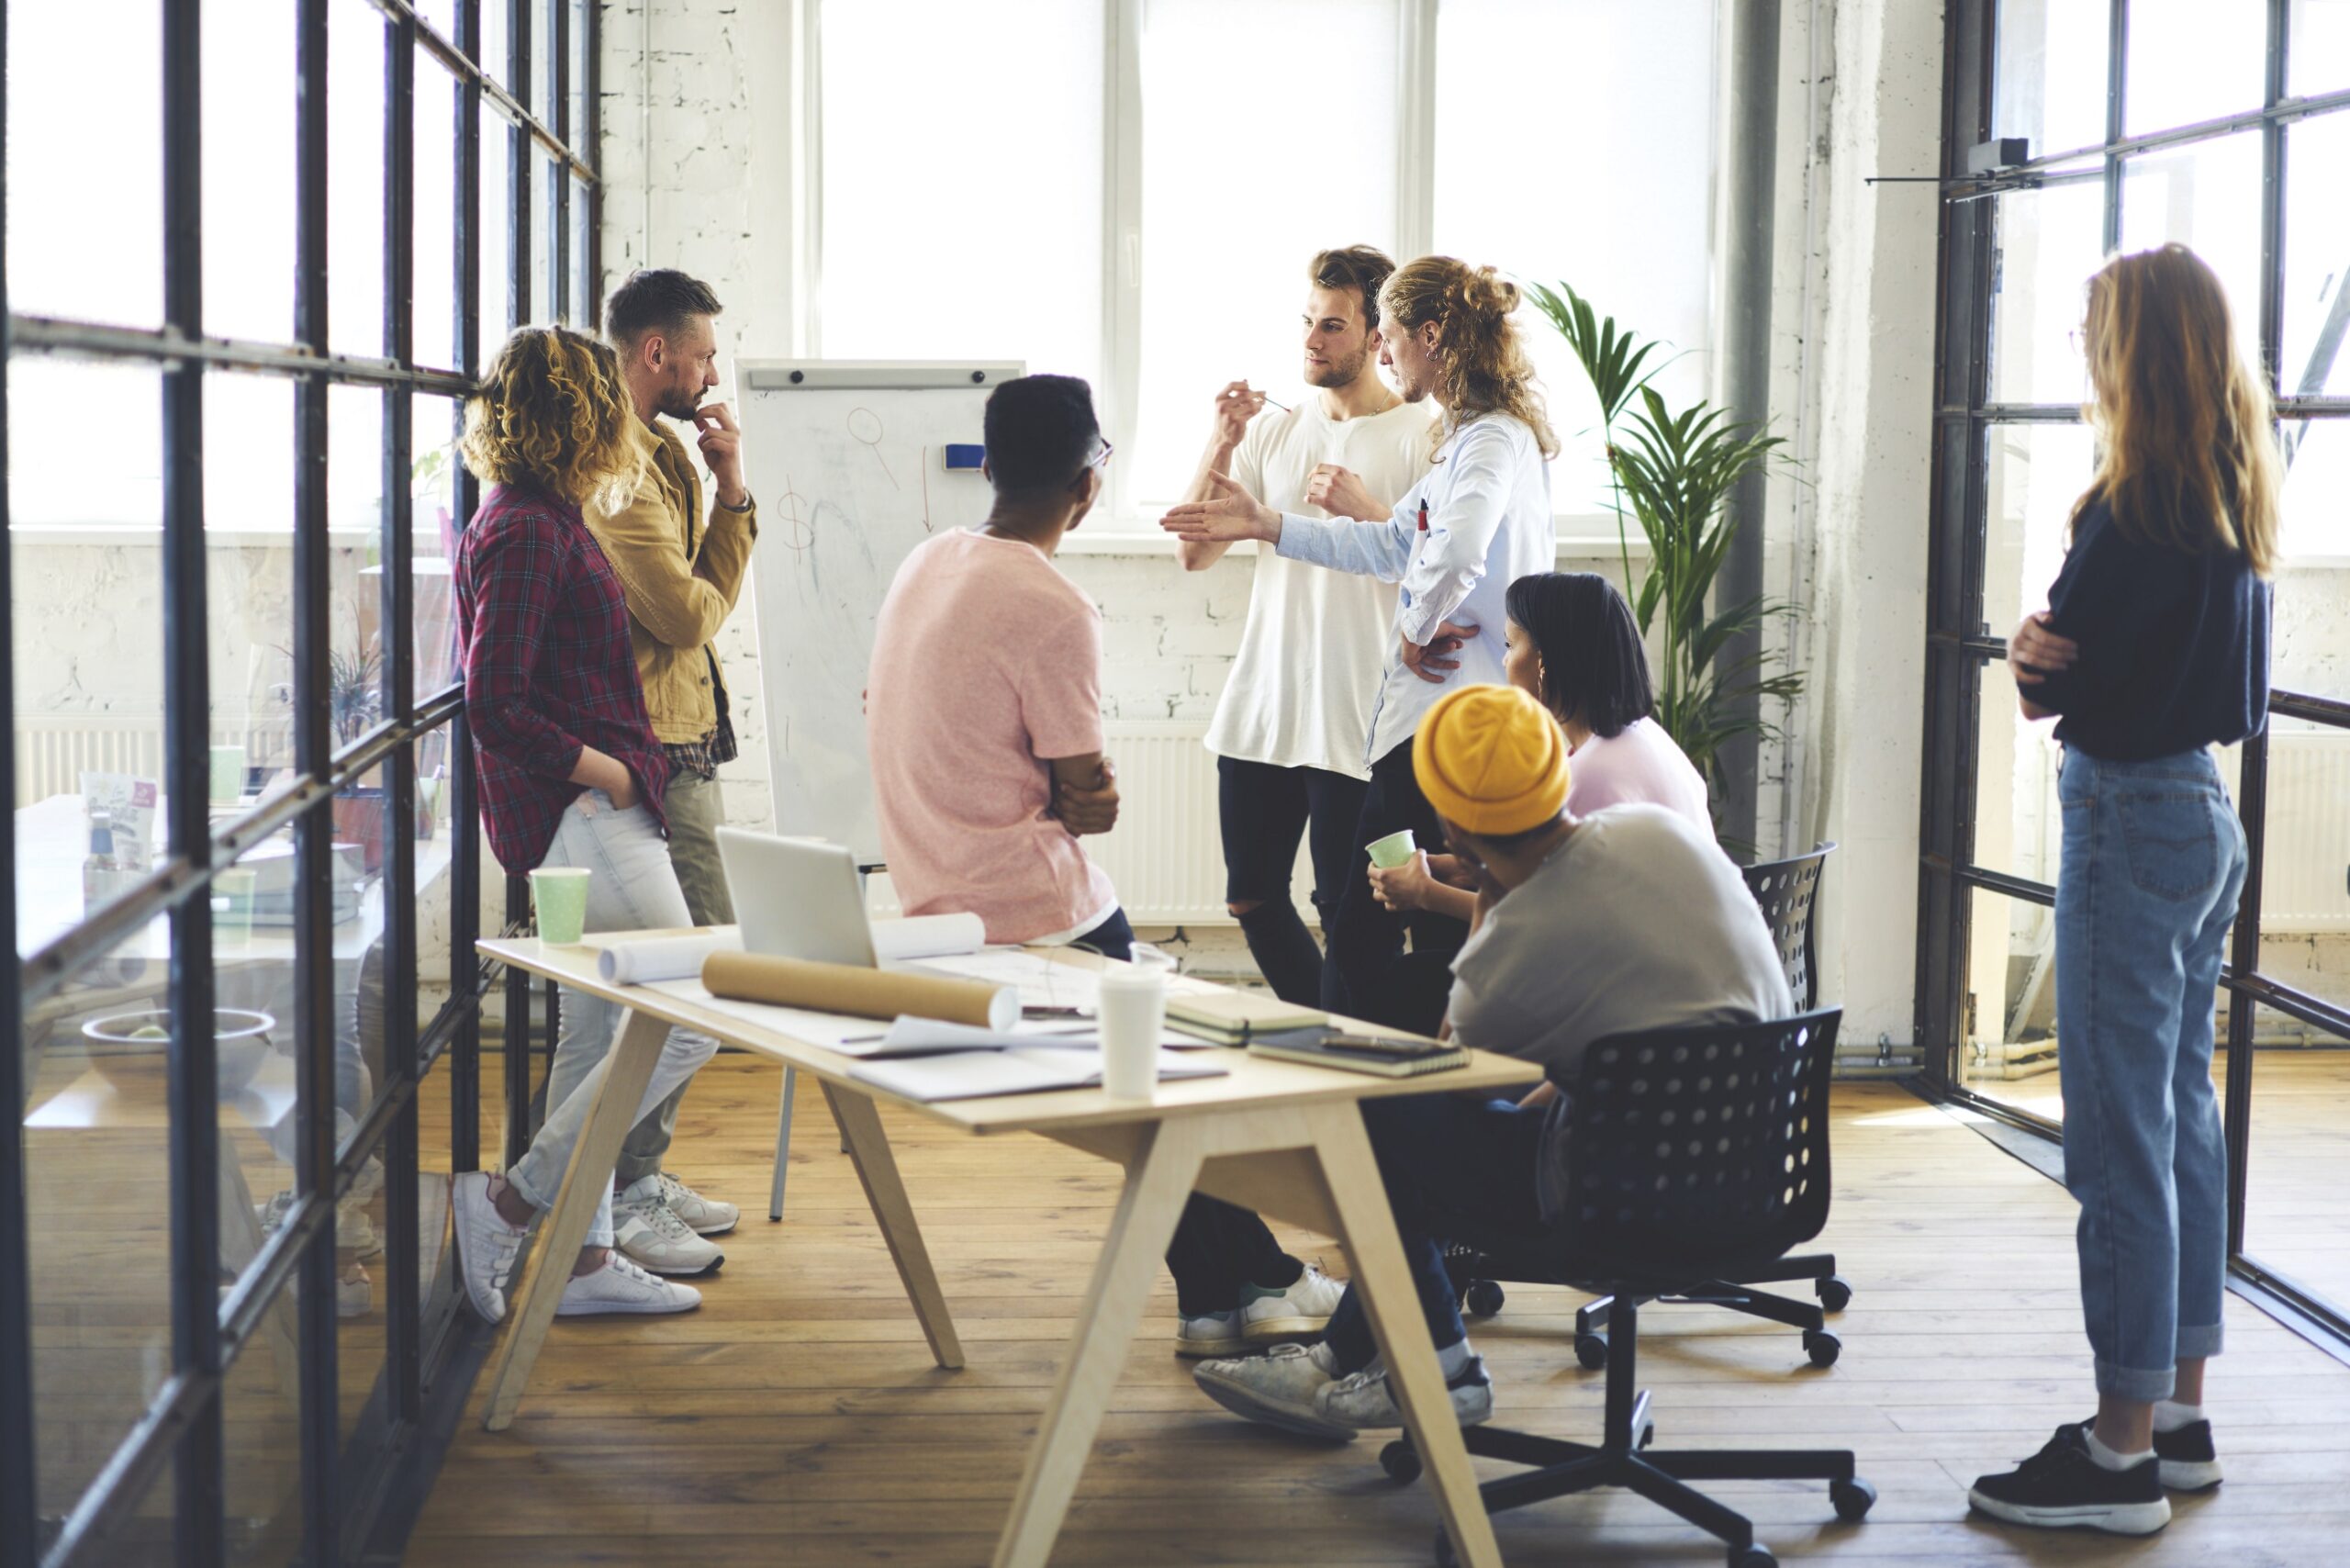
1234,1017
1359,1053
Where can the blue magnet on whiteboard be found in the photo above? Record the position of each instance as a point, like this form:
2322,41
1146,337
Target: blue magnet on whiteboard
964,457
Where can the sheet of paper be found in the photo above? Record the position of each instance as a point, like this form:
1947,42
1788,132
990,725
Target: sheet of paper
833,1031
1043,981
972,1075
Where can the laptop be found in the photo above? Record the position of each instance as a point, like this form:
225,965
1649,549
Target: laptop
796,898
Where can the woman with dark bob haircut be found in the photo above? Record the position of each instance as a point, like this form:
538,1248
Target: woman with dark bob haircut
1573,644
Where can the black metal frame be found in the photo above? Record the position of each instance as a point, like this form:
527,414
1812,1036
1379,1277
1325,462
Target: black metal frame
1960,644
341,1490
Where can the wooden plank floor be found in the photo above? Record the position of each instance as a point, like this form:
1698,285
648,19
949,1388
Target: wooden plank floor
797,1419
2300,1166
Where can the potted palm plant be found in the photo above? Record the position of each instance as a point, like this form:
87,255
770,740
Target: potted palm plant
355,701
1673,474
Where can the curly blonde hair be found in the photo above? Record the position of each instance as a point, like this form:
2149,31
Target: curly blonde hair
1486,370
554,412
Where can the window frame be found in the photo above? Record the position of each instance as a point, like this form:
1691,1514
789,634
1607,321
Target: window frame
1125,528
347,1491
1959,645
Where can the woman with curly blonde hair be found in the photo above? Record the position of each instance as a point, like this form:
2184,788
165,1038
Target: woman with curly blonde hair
1475,523
571,774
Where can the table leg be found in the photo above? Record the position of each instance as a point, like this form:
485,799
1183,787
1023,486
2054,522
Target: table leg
1367,1230
530,1303
1159,1182
782,1143
877,1168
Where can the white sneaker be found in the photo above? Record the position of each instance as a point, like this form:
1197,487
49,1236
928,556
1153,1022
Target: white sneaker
354,1231
1280,1388
1303,1309
1362,1402
485,1244
355,1294
1217,1333
703,1216
619,1286
652,1236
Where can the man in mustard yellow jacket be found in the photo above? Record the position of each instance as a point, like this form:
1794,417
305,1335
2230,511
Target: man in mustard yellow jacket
681,568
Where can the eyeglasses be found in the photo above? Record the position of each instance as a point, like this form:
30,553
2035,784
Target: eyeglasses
1101,458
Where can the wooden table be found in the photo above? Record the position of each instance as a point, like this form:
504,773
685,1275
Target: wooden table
1283,1138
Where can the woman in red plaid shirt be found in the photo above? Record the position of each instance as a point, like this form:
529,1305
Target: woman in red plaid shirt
571,774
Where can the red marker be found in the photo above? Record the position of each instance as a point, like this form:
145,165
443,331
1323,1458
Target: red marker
1423,514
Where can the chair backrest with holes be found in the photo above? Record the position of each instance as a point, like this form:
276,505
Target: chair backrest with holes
1701,1148
1784,889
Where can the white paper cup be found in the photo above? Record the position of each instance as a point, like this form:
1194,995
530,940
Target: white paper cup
1133,1016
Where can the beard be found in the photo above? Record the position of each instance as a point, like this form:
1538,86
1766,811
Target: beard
1339,371
680,402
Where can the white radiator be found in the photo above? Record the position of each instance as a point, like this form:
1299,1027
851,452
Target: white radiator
53,750
1166,856
2306,869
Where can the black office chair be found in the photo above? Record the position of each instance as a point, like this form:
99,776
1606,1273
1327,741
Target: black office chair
1694,1153
1783,890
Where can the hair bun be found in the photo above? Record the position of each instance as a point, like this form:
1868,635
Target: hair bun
1486,290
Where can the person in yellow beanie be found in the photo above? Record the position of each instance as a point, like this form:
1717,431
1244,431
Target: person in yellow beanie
1628,919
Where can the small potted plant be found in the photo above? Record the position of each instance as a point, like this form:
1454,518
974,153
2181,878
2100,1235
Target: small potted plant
355,702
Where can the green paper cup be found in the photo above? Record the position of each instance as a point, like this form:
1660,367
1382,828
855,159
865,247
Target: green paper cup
227,775
559,894
1393,850
233,908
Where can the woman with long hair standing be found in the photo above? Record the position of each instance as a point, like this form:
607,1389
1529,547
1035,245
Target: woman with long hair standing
2153,648
1477,522
571,772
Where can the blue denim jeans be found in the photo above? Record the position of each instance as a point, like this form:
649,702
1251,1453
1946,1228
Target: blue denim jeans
2154,859
1457,1168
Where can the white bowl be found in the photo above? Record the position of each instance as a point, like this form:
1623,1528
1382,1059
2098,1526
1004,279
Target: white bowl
241,1045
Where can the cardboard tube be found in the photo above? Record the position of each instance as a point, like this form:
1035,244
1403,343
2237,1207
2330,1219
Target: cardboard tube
859,992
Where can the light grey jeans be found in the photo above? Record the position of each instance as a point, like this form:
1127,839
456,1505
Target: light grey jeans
632,888
694,810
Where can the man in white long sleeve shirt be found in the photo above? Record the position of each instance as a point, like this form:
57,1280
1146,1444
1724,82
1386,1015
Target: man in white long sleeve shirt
1477,522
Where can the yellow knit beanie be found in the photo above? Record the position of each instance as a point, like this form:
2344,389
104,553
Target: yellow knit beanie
1492,760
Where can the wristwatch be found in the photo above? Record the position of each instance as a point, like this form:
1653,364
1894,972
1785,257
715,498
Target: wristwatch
749,501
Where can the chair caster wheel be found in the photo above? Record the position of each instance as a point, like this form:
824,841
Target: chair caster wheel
1482,1298
1835,1294
1752,1557
1401,1460
1852,1499
1822,1347
1648,1436
1591,1349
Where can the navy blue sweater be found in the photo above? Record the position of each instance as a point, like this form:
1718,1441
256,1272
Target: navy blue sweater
2174,646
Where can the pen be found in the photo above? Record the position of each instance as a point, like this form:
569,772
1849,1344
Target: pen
1283,407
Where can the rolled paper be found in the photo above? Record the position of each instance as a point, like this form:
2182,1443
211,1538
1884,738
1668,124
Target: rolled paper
928,936
664,957
859,992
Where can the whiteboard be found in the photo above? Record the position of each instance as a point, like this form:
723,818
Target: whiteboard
850,459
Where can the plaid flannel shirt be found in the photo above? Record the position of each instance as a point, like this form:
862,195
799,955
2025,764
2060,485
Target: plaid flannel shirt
543,637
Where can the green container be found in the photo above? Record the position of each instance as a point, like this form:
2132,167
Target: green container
559,894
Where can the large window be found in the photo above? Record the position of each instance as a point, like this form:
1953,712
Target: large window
1135,187
2224,125
248,284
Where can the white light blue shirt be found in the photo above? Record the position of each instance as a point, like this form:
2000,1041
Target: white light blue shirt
1488,504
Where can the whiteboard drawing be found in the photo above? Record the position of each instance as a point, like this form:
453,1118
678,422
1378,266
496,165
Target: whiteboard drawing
843,440
866,426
